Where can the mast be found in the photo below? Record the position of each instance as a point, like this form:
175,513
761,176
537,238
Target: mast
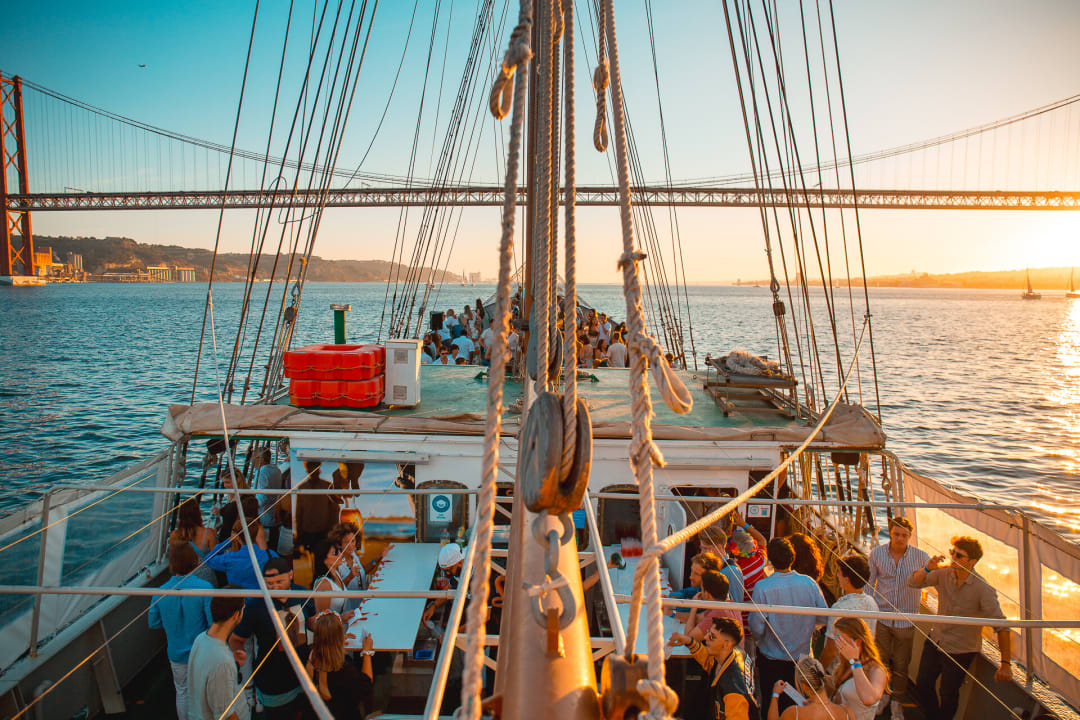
542,669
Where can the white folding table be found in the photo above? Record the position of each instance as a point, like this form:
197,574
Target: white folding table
393,622
622,581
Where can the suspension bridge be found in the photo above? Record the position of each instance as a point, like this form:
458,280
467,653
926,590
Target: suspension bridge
62,154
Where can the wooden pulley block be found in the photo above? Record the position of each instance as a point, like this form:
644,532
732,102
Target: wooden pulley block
619,698
573,487
540,452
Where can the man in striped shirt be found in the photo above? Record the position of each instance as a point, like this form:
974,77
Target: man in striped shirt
891,565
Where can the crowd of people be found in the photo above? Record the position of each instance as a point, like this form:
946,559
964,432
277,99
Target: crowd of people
224,653
811,667
467,337
803,665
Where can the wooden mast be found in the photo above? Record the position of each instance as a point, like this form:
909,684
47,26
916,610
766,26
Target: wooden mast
531,681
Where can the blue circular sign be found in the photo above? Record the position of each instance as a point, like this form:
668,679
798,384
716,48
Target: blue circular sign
440,503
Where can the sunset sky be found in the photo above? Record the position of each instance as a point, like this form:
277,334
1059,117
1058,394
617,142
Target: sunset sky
911,71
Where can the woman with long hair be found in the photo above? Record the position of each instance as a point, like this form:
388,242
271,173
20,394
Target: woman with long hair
808,561
230,556
810,682
345,689
600,356
190,529
327,557
229,512
861,678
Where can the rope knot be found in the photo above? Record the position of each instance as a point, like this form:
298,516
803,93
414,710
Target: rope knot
654,690
545,587
518,53
670,385
648,449
601,80
633,256
601,77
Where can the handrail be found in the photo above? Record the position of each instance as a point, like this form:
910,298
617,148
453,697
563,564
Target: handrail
442,667
216,592
812,501
862,614
286,491
617,630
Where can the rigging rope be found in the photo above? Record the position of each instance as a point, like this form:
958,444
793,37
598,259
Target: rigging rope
643,350
570,315
858,223
514,68
221,211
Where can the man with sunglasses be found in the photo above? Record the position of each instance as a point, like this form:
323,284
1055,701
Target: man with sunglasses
720,656
951,648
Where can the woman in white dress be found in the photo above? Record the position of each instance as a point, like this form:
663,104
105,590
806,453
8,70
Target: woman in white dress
350,569
860,678
328,557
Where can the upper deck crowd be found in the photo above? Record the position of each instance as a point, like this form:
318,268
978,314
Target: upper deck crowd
227,660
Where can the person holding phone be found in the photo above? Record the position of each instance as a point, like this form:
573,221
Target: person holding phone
810,696
952,648
721,657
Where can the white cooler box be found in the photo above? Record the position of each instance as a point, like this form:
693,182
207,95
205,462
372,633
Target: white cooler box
402,373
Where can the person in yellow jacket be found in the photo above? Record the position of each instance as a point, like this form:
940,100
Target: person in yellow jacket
720,656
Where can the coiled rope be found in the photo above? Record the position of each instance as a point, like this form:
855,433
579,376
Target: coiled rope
600,83
643,351
504,97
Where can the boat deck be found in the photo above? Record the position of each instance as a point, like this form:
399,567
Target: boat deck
447,391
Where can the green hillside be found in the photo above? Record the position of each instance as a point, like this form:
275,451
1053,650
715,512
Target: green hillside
116,254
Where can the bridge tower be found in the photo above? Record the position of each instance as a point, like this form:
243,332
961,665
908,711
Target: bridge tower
16,257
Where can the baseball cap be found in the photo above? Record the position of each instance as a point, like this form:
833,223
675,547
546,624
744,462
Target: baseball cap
450,555
277,565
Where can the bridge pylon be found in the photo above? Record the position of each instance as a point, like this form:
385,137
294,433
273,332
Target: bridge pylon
16,256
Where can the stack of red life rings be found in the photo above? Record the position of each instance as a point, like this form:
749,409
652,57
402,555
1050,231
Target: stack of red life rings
336,375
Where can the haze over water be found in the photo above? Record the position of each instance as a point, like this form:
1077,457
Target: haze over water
979,389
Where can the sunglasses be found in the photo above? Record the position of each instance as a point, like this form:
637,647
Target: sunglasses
958,554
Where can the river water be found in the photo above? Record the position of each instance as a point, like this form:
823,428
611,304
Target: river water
978,389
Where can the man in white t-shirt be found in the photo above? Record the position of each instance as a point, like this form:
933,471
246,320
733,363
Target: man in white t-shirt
605,328
465,347
852,572
617,353
487,342
212,666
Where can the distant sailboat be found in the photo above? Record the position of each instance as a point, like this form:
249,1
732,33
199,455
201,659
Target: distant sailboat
1072,288
1030,294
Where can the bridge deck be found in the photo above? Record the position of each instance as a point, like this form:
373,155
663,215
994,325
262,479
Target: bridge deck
586,196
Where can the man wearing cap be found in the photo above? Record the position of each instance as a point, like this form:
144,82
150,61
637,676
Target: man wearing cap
276,686
451,560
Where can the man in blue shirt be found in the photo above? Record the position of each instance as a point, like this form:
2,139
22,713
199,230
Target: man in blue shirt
276,686
182,618
781,638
